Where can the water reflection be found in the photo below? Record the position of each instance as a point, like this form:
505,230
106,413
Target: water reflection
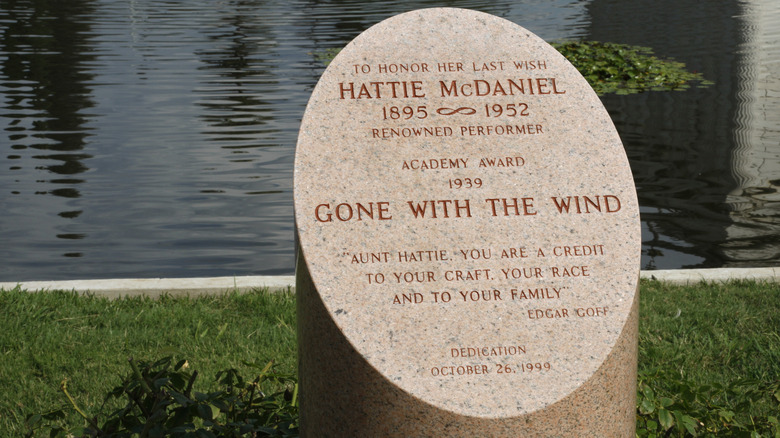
44,47
687,149
678,143
755,202
145,139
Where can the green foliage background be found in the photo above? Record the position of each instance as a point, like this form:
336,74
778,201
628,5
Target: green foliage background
624,69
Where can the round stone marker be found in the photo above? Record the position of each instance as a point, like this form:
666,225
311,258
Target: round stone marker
467,213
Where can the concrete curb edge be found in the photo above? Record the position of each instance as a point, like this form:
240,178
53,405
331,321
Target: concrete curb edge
154,287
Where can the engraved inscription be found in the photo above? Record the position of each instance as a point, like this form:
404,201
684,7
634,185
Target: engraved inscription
416,81
460,208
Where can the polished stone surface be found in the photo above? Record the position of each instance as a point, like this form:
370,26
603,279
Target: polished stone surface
471,235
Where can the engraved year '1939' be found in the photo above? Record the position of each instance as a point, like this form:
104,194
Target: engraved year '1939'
465,183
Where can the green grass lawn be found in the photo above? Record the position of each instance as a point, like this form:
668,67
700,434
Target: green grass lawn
51,336
701,337
711,333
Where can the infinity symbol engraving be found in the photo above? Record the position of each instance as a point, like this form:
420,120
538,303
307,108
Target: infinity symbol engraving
450,111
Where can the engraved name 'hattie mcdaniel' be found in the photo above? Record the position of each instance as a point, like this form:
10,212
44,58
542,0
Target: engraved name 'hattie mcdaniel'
477,87
462,208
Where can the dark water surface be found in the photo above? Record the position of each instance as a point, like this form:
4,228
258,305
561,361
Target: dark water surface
156,138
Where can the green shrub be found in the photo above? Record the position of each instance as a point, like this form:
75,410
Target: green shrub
671,407
159,400
624,69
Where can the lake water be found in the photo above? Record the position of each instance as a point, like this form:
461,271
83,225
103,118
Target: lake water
156,138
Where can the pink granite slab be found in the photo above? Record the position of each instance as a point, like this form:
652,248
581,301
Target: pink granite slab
468,221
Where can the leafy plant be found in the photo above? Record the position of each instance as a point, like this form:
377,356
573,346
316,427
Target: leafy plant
671,407
160,400
327,55
624,69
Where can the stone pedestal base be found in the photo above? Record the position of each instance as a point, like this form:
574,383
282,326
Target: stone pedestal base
343,396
